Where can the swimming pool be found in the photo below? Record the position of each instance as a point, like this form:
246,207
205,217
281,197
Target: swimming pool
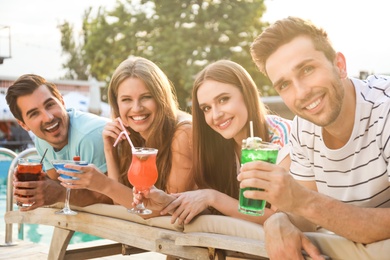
4,166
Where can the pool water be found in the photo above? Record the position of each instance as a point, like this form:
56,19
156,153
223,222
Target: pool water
32,232
4,166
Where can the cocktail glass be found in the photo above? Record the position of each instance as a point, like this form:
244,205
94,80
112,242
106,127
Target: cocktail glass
142,174
28,170
60,165
253,149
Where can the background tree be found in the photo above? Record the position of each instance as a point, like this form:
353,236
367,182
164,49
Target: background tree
75,66
180,36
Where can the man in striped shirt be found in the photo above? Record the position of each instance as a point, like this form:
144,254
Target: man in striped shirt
340,150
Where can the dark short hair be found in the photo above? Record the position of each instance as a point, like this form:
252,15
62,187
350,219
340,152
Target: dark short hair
26,85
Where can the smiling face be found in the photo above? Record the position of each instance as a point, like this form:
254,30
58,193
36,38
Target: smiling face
137,107
309,84
45,116
224,109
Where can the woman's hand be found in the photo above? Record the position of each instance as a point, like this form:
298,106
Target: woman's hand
154,199
111,132
188,205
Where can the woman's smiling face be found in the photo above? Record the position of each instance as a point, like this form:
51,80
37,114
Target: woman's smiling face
224,109
137,107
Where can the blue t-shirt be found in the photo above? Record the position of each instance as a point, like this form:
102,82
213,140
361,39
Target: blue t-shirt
84,139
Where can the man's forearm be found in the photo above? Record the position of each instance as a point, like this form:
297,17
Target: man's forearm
300,222
53,192
84,197
352,222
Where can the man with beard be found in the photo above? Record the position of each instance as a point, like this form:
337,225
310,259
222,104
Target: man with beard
340,150
38,106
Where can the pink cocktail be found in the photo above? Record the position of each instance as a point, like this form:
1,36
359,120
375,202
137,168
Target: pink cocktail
142,173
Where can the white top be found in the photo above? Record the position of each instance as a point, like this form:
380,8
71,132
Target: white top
357,173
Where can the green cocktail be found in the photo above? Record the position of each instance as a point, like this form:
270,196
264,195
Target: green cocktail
253,149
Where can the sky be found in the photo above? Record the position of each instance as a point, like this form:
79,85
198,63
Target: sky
359,29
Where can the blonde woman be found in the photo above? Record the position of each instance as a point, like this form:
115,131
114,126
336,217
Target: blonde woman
141,95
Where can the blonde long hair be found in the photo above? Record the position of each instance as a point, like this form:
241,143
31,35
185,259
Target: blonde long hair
165,122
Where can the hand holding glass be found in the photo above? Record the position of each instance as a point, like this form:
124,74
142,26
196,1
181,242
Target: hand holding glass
253,149
28,170
142,173
60,165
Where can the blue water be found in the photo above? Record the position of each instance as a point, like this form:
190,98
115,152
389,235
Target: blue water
4,166
32,232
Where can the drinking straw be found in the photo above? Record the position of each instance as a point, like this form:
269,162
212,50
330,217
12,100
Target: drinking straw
43,156
251,128
124,132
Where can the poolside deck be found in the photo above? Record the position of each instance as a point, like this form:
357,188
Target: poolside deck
22,249
33,251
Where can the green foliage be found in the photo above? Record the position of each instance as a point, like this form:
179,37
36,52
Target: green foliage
180,36
75,65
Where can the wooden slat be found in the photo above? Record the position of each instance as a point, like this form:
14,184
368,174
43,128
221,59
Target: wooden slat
130,250
59,243
200,246
253,249
93,252
168,247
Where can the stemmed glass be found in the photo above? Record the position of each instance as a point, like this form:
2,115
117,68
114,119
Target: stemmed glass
142,174
60,165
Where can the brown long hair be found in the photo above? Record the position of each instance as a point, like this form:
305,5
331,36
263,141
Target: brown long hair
166,120
282,32
213,157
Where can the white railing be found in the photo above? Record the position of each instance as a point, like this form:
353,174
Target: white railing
9,196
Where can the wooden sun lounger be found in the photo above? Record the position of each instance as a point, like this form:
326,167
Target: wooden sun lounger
207,237
113,222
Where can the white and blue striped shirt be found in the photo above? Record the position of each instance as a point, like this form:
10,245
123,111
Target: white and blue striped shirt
359,172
